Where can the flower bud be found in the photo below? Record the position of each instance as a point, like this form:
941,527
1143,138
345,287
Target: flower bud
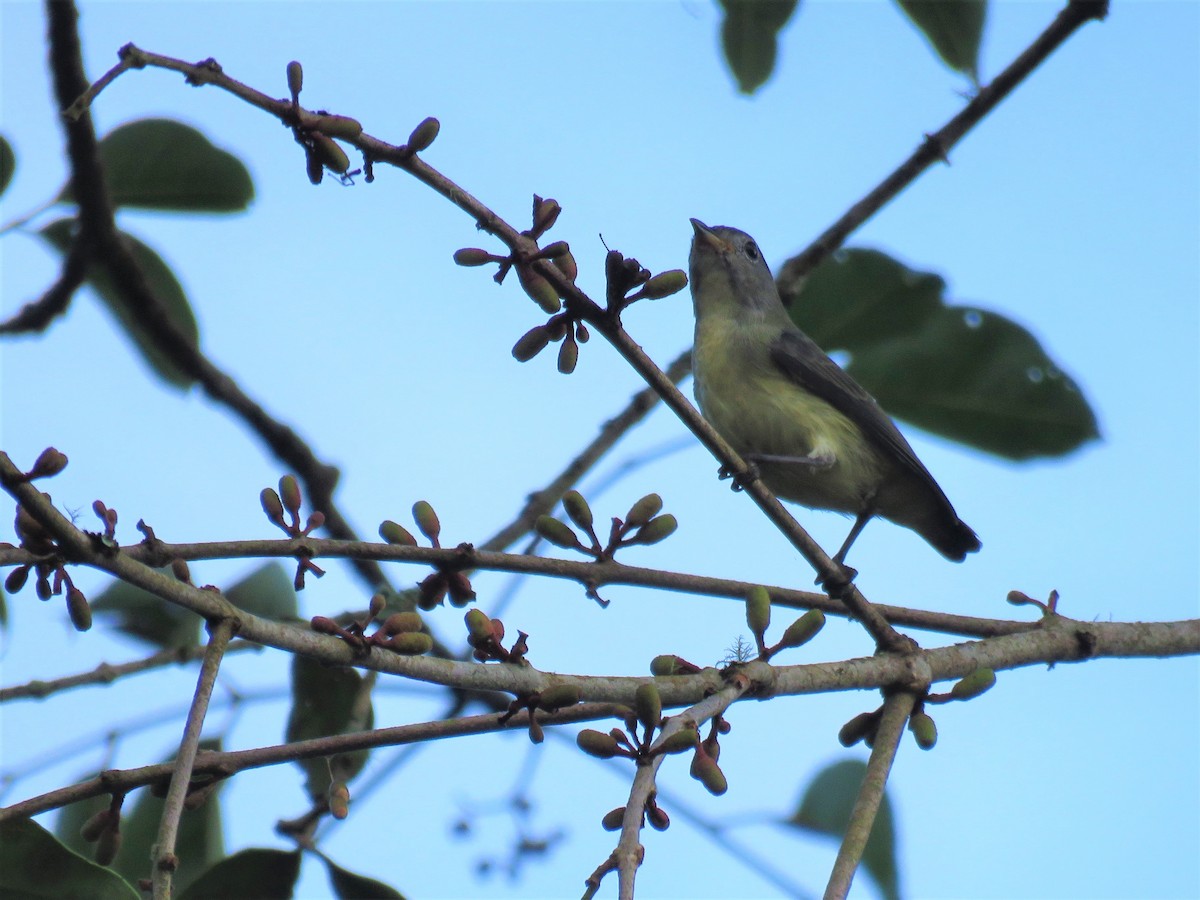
557,533
973,685
680,741
402,623
664,284
643,511
758,611
613,819
657,529
924,730
295,79
78,610
568,356
395,533
427,520
473,256
597,743
647,703
339,800
539,289
423,135
803,630
559,695
577,508
289,493
531,343
410,643
329,152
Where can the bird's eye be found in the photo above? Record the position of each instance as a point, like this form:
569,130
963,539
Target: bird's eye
751,250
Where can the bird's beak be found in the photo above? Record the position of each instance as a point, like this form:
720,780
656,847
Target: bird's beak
705,234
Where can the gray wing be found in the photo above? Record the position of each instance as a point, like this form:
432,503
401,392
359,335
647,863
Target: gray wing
801,360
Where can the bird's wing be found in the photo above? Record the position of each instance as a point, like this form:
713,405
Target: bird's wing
801,360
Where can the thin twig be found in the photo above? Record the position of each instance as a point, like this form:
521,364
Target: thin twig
165,861
937,146
896,710
107,673
224,764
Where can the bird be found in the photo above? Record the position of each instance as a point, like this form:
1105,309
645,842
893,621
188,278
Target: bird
810,432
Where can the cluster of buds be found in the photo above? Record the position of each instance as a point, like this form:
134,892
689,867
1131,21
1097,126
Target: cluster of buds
758,617
865,726
551,700
316,133
289,500
443,582
641,525
485,635
401,632
626,273
614,819
637,740
104,830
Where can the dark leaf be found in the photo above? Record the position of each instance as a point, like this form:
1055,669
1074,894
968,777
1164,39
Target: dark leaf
953,27
958,371
199,844
268,591
35,866
3,612
164,164
8,163
145,616
349,886
326,701
258,872
825,809
162,283
749,37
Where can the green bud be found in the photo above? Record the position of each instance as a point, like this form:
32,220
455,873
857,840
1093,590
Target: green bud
680,741
657,529
423,135
597,743
531,343
289,492
973,685
539,289
473,256
339,800
567,265
665,664
858,728
648,705
643,511
78,610
923,730
758,610
577,508
426,520
410,643
556,532
613,819
329,152
708,773
337,126
479,626
568,356
402,623
803,630
271,504
664,284
545,214
559,695
295,78
555,250
394,533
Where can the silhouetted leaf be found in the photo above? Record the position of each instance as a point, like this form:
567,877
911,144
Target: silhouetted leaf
953,27
350,886
35,866
162,283
8,163
825,809
325,701
198,845
958,371
749,37
258,872
148,617
164,164
268,591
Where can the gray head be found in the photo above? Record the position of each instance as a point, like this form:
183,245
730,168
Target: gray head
727,269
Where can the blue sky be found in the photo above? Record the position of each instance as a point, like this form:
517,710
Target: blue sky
1073,209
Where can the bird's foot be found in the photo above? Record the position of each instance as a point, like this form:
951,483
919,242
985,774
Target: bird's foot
740,480
835,585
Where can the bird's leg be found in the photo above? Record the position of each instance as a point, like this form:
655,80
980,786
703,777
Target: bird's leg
834,586
740,479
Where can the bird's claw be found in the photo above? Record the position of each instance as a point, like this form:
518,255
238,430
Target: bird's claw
740,479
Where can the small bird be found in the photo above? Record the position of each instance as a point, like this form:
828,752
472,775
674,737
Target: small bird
813,434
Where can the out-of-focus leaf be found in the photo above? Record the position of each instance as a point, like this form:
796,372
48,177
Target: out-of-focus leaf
267,591
750,37
258,872
350,886
147,617
35,866
161,281
326,701
3,612
954,28
8,163
825,809
958,371
164,164
198,845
